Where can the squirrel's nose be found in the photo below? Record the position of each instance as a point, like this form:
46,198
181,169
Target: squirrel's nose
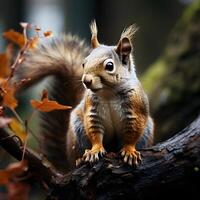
87,80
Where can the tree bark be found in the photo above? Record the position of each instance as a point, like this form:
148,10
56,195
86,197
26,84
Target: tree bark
168,169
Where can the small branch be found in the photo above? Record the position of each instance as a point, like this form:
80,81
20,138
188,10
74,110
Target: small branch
20,56
25,124
42,168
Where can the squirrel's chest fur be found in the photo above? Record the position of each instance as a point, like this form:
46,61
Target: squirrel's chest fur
110,112
107,108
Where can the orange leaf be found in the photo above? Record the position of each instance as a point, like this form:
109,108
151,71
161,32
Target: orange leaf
33,42
4,177
15,37
5,61
18,129
48,33
18,190
4,65
45,105
13,170
7,94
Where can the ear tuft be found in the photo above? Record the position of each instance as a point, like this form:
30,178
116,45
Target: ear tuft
93,27
94,31
124,46
129,32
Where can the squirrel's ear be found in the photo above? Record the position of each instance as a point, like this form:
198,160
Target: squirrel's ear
123,49
94,39
124,46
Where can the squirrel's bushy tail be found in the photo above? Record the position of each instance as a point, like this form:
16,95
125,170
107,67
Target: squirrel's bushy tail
61,58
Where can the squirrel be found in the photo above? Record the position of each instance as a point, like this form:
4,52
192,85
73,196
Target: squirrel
110,108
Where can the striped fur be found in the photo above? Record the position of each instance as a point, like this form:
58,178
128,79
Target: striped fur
122,119
114,106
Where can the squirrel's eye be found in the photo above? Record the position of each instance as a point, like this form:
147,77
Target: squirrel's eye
109,65
83,65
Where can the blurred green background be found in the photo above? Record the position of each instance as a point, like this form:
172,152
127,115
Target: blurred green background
166,47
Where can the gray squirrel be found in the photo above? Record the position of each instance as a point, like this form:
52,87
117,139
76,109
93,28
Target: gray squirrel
110,108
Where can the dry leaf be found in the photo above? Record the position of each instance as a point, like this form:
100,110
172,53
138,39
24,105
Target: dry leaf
46,105
13,170
18,129
18,191
4,177
33,42
48,33
5,61
15,37
9,177
7,92
4,65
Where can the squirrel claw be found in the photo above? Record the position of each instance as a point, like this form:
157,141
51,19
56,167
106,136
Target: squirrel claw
131,156
94,154
79,161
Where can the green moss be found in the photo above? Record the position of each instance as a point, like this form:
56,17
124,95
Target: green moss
189,13
158,71
153,75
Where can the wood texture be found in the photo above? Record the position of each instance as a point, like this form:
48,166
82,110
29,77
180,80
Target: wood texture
171,168
168,169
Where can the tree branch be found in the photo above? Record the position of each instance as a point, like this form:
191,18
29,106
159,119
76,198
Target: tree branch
171,166
168,169
38,166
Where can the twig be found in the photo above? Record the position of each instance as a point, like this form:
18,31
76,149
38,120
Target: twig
24,124
42,169
19,59
26,140
17,116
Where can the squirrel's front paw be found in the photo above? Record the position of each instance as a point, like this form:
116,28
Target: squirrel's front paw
92,155
131,155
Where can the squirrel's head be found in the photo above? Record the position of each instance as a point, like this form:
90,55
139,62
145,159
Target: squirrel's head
107,67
